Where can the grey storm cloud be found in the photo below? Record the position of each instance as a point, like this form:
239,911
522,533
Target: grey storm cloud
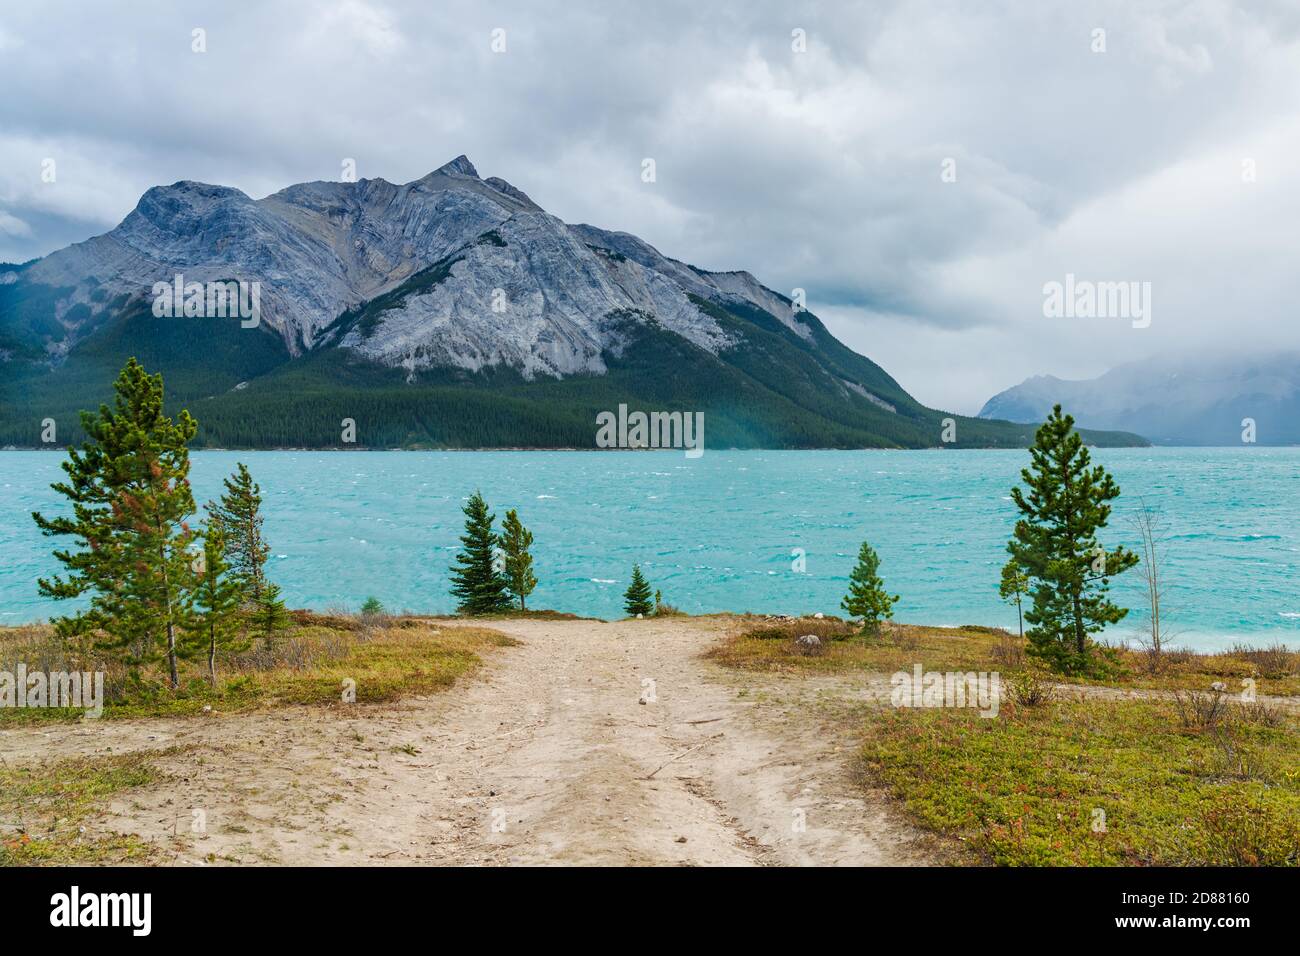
818,169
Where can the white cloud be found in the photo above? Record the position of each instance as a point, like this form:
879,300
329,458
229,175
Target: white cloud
819,170
13,226
351,25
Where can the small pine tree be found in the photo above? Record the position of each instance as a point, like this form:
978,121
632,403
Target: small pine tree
1012,589
867,597
636,599
515,541
130,493
214,623
239,514
268,615
372,607
1065,504
476,581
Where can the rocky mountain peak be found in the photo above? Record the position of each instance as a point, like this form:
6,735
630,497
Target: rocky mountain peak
460,166
187,197
449,271
452,285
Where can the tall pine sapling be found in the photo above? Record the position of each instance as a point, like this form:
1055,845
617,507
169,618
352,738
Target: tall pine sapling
1064,505
515,542
1012,588
477,578
130,494
636,599
867,597
214,623
239,514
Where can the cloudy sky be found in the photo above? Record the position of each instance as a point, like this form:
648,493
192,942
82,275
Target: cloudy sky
1165,149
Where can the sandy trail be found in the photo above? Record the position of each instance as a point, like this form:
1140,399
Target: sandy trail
548,757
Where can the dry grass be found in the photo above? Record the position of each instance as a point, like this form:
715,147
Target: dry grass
1273,662
384,657
765,645
769,646
539,614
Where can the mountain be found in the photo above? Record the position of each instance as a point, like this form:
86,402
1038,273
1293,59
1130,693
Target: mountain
1173,400
451,311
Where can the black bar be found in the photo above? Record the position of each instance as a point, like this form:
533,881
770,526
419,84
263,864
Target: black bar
328,905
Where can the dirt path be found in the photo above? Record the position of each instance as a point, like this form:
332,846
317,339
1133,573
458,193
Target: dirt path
551,756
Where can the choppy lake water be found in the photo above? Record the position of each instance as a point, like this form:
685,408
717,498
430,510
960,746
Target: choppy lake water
722,532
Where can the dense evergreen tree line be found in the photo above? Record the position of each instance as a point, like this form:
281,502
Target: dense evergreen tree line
775,389
543,415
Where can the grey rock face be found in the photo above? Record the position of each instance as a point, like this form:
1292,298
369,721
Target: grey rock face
521,288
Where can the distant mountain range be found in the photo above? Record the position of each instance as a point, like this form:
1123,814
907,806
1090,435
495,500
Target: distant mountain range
451,311
1177,400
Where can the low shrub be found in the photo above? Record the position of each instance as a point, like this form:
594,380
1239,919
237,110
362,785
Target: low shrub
825,628
1239,830
1275,661
1200,710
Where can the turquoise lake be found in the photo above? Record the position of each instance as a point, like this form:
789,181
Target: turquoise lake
722,532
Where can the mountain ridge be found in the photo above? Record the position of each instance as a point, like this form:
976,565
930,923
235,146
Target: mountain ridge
446,295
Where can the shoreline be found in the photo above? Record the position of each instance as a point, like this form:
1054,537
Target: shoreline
63,449
1221,642
525,448
678,451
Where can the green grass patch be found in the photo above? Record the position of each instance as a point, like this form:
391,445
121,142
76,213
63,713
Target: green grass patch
1027,787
